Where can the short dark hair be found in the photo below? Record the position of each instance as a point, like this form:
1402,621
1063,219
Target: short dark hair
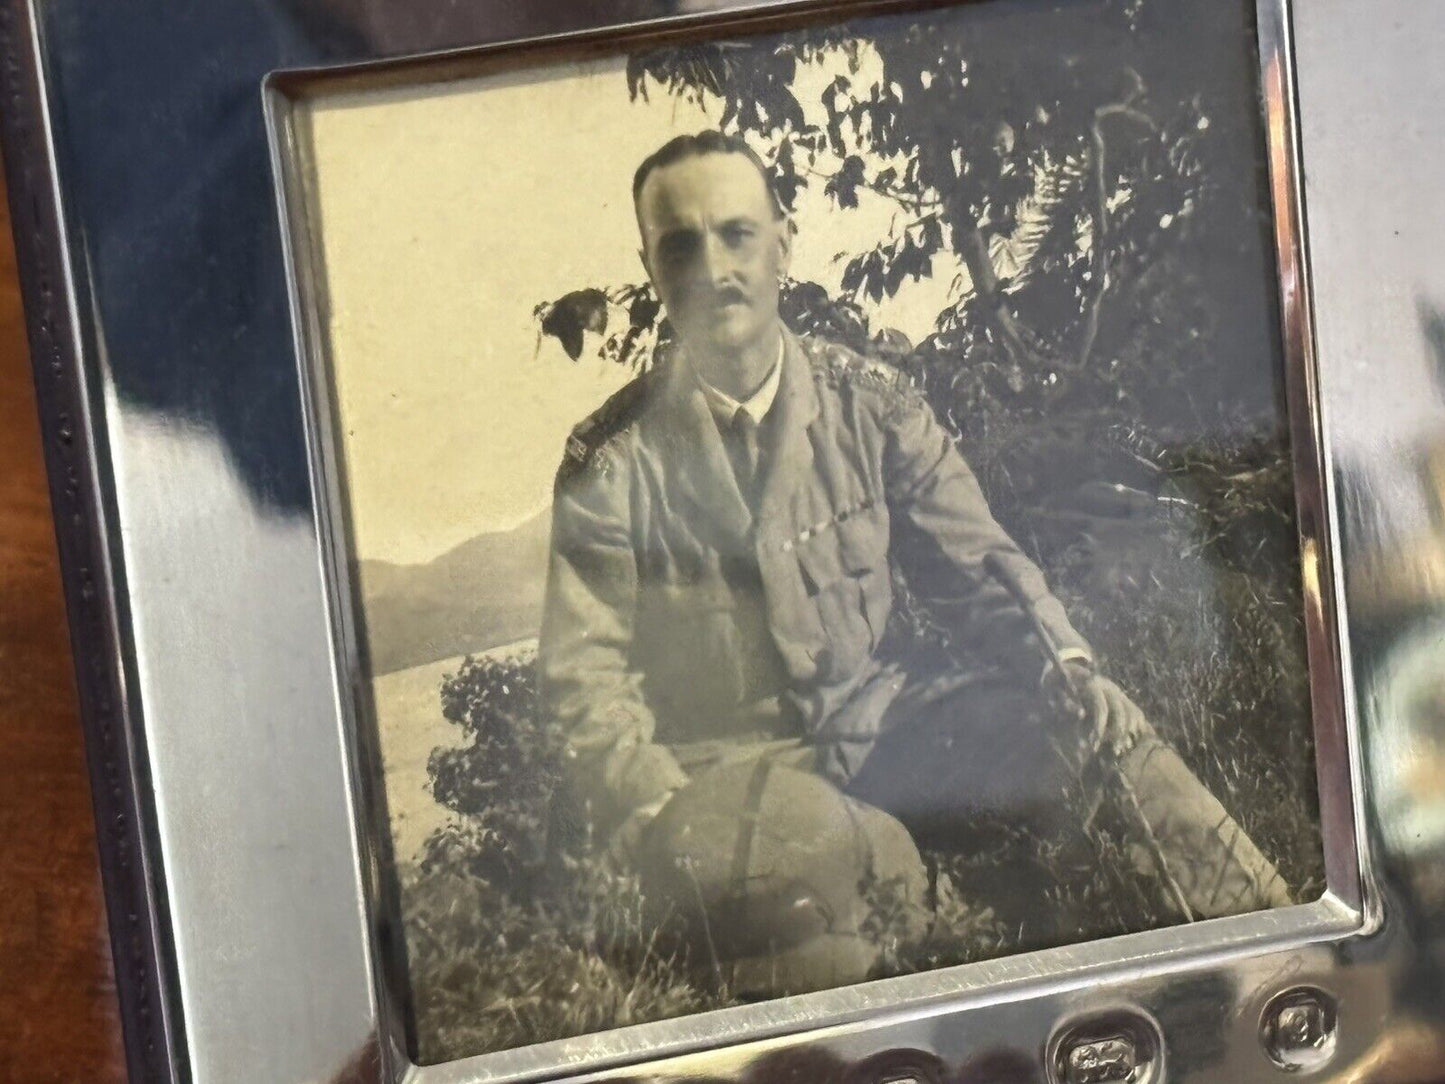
709,141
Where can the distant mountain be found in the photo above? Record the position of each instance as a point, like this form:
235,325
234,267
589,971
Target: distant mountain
484,593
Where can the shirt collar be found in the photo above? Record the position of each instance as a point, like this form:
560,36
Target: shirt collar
725,407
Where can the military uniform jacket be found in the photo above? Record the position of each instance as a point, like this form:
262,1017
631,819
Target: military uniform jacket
641,649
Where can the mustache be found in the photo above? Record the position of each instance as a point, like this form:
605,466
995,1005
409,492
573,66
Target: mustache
724,295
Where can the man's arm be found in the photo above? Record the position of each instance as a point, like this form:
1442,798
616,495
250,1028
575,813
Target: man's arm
586,680
945,528
936,499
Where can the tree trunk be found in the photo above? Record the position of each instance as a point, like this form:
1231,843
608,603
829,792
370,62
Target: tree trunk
985,284
1099,261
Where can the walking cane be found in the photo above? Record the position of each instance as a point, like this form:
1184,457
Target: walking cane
995,567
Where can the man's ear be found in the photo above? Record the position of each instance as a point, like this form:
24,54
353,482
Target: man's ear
647,266
785,246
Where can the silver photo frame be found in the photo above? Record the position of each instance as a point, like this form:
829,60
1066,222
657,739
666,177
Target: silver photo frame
174,325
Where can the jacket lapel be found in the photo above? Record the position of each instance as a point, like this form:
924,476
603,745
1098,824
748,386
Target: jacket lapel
787,457
699,463
711,504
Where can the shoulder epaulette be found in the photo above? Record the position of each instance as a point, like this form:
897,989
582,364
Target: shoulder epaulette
608,421
841,366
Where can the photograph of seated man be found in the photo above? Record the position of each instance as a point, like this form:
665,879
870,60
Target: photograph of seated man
727,533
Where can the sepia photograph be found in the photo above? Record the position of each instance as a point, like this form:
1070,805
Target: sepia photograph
818,503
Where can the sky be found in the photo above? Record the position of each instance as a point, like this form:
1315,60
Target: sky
446,214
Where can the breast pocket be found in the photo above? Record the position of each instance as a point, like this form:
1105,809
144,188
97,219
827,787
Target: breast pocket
863,546
845,572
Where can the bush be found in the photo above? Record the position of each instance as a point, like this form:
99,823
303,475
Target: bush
518,931
502,781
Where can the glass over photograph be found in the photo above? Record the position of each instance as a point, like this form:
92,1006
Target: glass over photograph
817,502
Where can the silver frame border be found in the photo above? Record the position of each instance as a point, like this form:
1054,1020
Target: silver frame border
75,425
1351,906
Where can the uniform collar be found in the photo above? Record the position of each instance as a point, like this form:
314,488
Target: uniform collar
724,407
693,449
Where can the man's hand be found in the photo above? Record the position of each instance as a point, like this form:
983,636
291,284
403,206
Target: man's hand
1110,717
1114,719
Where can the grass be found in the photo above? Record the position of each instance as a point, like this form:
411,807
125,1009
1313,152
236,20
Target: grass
490,972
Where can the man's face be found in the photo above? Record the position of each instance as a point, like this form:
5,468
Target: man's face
715,250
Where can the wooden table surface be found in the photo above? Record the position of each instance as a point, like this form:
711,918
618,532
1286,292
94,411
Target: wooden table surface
58,1016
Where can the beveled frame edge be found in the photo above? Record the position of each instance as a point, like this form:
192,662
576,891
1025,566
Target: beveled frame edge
310,308
1339,771
1351,905
69,393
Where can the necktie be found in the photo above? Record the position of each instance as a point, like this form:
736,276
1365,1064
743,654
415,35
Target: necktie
743,451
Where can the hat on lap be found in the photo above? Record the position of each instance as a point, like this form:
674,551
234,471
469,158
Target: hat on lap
768,877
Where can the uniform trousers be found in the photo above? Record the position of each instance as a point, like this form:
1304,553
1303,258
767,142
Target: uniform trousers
965,763
991,755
